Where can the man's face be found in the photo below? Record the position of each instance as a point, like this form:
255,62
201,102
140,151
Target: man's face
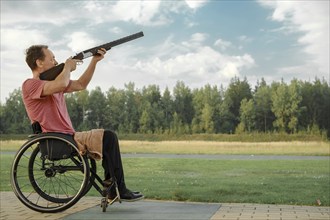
49,60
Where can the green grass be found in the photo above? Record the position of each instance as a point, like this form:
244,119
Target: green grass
271,182
298,182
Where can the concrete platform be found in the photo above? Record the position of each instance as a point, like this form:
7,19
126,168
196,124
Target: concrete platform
150,210
89,208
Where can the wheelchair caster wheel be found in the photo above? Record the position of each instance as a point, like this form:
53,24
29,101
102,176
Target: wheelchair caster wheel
104,204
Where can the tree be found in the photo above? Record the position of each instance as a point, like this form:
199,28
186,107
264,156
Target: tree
76,103
96,109
324,117
131,110
206,119
285,105
166,103
316,100
236,92
177,127
82,100
183,104
247,115
116,101
263,113
214,99
14,119
146,120
151,109
2,119
227,118
206,102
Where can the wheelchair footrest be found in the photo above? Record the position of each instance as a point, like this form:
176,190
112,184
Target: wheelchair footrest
107,195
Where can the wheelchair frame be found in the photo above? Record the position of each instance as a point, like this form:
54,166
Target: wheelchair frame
50,185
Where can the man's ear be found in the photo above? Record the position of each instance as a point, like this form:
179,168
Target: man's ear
39,63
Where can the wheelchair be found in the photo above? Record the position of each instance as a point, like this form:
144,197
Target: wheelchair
49,175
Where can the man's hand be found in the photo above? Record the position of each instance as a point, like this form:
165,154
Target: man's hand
71,64
100,55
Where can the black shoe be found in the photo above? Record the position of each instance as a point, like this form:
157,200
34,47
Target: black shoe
129,196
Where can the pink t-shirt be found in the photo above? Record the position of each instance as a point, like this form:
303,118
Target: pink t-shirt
50,111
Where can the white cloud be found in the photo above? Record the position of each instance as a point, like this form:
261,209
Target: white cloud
198,37
139,12
190,24
311,20
48,12
17,38
93,12
245,39
230,70
199,63
93,6
222,44
80,41
116,30
194,4
195,40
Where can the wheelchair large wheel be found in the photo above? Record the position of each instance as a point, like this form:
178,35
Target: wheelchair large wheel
92,167
48,185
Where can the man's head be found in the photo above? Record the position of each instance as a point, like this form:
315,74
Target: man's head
40,58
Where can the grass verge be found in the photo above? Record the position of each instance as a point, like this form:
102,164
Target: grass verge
210,147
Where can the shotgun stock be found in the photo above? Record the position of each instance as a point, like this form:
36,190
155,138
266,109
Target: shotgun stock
52,73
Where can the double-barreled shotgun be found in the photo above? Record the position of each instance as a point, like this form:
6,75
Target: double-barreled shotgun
52,73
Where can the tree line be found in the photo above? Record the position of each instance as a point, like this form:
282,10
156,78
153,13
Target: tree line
298,106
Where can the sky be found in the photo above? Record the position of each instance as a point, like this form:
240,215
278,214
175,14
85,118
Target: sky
198,42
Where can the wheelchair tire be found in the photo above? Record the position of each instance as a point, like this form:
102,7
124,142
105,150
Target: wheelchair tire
92,167
48,186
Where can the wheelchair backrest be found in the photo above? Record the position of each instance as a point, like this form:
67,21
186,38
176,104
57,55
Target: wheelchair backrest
54,149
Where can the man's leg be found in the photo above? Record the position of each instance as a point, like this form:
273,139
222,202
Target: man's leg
112,165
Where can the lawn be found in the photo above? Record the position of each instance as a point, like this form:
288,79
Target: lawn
299,182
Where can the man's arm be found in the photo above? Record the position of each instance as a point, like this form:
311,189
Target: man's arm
62,80
85,78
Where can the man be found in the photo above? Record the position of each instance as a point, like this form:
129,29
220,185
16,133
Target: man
44,102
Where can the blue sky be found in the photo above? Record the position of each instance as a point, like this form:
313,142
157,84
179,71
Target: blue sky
197,42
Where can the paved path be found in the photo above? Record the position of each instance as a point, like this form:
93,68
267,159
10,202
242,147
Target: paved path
88,208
